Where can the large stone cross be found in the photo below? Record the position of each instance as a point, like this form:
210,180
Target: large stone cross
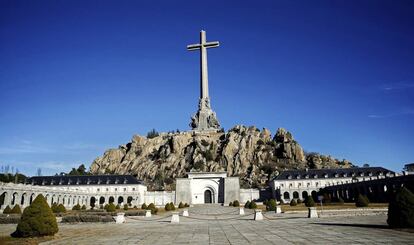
205,118
203,46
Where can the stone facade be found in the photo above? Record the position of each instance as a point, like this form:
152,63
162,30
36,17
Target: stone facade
297,184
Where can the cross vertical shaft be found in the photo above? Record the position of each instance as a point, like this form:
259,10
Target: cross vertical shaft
203,66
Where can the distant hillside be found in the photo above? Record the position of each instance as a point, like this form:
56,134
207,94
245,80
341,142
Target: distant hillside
248,152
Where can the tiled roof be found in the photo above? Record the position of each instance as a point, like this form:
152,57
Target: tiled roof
84,180
332,173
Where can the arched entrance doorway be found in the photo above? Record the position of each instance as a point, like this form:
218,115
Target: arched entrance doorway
208,198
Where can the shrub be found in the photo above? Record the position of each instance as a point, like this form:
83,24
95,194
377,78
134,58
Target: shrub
271,205
16,209
151,206
340,200
172,206
247,204
61,208
12,219
126,207
76,207
236,203
309,202
252,205
401,209
186,205
181,205
37,220
110,207
167,207
144,206
293,202
83,207
118,206
135,207
362,201
281,201
7,210
231,204
299,201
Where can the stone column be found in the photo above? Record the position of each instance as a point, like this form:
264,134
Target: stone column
258,214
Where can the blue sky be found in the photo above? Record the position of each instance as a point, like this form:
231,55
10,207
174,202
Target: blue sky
79,77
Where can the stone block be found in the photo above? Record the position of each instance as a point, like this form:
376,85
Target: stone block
258,214
241,211
185,212
147,213
120,218
175,218
312,212
278,209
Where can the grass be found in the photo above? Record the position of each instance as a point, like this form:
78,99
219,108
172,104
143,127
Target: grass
302,207
8,240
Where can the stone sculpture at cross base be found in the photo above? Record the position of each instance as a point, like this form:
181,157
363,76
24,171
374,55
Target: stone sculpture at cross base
205,118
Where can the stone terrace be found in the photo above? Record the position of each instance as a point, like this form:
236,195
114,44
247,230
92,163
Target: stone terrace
211,224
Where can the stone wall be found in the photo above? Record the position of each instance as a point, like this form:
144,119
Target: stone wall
159,198
249,195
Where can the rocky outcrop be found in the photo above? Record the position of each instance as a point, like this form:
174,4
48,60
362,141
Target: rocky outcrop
247,152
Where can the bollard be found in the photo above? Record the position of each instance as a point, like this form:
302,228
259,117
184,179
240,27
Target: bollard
147,213
278,209
185,212
312,213
120,218
241,212
258,214
175,218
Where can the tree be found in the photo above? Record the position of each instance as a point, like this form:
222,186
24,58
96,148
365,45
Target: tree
271,205
236,203
37,220
309,202
7,210
401,209
293,203
362,201
152,134
16,209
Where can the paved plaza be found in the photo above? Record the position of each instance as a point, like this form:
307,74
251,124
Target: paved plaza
210,224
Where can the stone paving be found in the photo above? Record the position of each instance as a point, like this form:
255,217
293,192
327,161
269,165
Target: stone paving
211,224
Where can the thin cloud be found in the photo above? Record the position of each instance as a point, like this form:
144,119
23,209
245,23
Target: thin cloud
398,86
395,114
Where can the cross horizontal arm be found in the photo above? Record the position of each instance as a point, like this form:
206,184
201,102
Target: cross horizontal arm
193,47
211,44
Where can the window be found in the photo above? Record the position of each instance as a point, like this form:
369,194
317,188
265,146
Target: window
98,189
133,189
290,185
124,189
107,189
116,189
281,185
300,184
317,184
308,184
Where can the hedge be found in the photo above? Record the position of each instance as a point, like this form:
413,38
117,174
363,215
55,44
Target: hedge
87,218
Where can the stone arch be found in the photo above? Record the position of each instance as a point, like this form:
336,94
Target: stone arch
286,195
32,197
23,198
129,200
314,195
101,200
120,199
111,199
14,198
3,198
295,195
92,202
304,194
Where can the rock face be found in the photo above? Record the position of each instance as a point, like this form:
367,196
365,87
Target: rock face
247,152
